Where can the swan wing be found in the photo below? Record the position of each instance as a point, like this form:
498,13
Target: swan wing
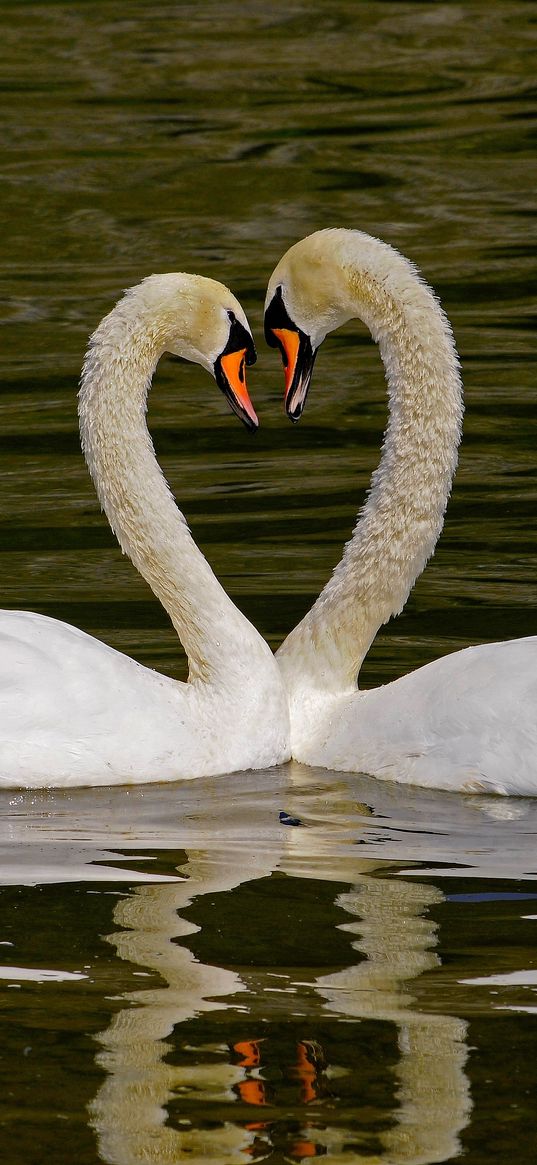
465,722
75,711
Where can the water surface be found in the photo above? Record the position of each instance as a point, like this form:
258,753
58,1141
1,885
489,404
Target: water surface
295,963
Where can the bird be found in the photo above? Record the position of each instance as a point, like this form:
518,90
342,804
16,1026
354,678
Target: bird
465,722
74,711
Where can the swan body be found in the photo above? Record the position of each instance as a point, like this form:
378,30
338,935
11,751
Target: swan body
73,711
466,722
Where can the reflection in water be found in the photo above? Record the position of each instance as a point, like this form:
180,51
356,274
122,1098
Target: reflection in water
397,938
129,1110
256,126
294,1000
394,933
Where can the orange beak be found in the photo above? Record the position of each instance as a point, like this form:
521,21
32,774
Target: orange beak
296,350
232,381
298,359
290,348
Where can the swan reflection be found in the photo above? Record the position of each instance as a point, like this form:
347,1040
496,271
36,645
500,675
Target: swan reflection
290,1010
269,1084
395,933
129,1112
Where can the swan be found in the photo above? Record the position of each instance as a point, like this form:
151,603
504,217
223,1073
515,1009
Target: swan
73,711
465,722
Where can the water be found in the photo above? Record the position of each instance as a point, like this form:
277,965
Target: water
197,978
360,985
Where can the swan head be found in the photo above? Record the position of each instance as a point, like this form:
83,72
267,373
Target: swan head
306,299
199,320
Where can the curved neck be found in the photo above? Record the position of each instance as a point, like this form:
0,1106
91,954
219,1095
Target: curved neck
399,525
135,496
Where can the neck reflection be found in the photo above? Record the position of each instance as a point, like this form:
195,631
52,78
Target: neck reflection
237,1082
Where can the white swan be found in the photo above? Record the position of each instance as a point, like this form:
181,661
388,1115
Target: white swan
467,721
72,710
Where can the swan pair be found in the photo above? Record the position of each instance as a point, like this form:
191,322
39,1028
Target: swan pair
73,711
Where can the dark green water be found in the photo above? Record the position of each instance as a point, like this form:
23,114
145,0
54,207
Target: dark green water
305,992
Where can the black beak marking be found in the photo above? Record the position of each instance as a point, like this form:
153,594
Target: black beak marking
277,318
239,340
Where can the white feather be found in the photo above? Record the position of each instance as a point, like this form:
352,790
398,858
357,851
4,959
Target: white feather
72,710
468,721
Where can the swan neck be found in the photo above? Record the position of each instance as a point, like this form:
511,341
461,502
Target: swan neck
138,503
399,525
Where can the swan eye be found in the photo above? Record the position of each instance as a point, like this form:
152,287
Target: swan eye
240,340
277,319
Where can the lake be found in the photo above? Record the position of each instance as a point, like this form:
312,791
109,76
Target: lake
287,964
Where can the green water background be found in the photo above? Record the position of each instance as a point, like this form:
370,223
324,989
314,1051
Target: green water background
209,137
